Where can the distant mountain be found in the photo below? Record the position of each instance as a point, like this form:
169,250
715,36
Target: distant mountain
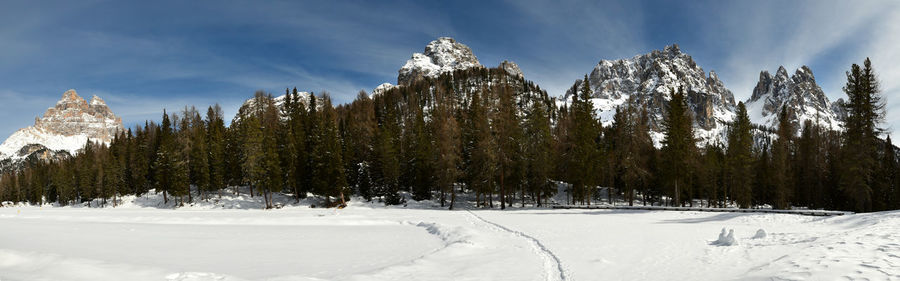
650,79
799,94
62,130
446,57
441,56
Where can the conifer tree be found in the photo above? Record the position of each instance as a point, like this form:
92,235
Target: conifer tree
215,137
386,165
419,155
679,148
739,159
329,179
782,157
538,143
270,162
483,159
509,138
865,111
165,164
199,156
884,189
583,165
447,144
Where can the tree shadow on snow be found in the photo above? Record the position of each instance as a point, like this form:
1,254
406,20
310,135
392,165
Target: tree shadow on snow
716,218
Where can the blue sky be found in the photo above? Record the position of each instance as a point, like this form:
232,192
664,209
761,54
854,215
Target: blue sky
144,56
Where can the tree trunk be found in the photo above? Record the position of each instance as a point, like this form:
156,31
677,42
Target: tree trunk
443,198
491,198
523,196
452,197
502,190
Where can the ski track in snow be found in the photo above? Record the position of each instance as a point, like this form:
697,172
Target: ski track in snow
553,267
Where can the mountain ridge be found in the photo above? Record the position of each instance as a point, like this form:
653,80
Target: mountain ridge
65,127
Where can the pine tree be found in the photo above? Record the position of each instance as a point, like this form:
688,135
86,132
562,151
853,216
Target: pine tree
782,157
739,159
583,156
483,159
215,137
679,148
164,166
360,139
810,160
885,186
509,139
447,144
270,162
252,165
181,149
199,156
328,168
629,143
865,111
419,155
538,143
386,165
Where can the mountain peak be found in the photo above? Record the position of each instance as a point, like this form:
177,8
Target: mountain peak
70,94
781,72
649,78
804,74
95,100
511,68
66,126
800,93
70,97
440,56
673,49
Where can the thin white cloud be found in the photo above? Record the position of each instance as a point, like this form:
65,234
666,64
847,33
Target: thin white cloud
572,38
885,54
763,35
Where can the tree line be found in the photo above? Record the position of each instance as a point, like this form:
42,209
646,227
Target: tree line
484,133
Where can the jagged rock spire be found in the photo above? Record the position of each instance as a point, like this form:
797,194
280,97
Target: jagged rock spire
440,56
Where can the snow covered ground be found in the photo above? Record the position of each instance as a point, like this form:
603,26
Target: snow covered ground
231,240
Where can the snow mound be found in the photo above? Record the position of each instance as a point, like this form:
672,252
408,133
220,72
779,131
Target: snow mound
199,276
760,234
449,235
725,240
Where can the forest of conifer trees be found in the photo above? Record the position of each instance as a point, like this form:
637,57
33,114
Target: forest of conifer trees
485,133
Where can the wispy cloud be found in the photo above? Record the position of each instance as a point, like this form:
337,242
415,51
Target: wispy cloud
142,57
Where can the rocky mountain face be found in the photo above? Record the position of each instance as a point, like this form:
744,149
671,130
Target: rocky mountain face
650,79
799,94
448,62
441,56
511,68
63,129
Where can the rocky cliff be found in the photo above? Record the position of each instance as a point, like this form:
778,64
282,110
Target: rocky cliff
65,127
650,79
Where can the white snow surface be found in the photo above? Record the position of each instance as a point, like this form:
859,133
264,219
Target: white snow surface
34,135
234,240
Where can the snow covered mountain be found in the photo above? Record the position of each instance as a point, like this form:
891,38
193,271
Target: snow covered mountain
650,79
441,56
248,104
64,128
803,98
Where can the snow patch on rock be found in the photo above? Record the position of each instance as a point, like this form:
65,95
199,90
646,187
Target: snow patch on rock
67,126
441,56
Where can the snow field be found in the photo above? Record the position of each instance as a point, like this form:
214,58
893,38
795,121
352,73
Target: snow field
229,240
